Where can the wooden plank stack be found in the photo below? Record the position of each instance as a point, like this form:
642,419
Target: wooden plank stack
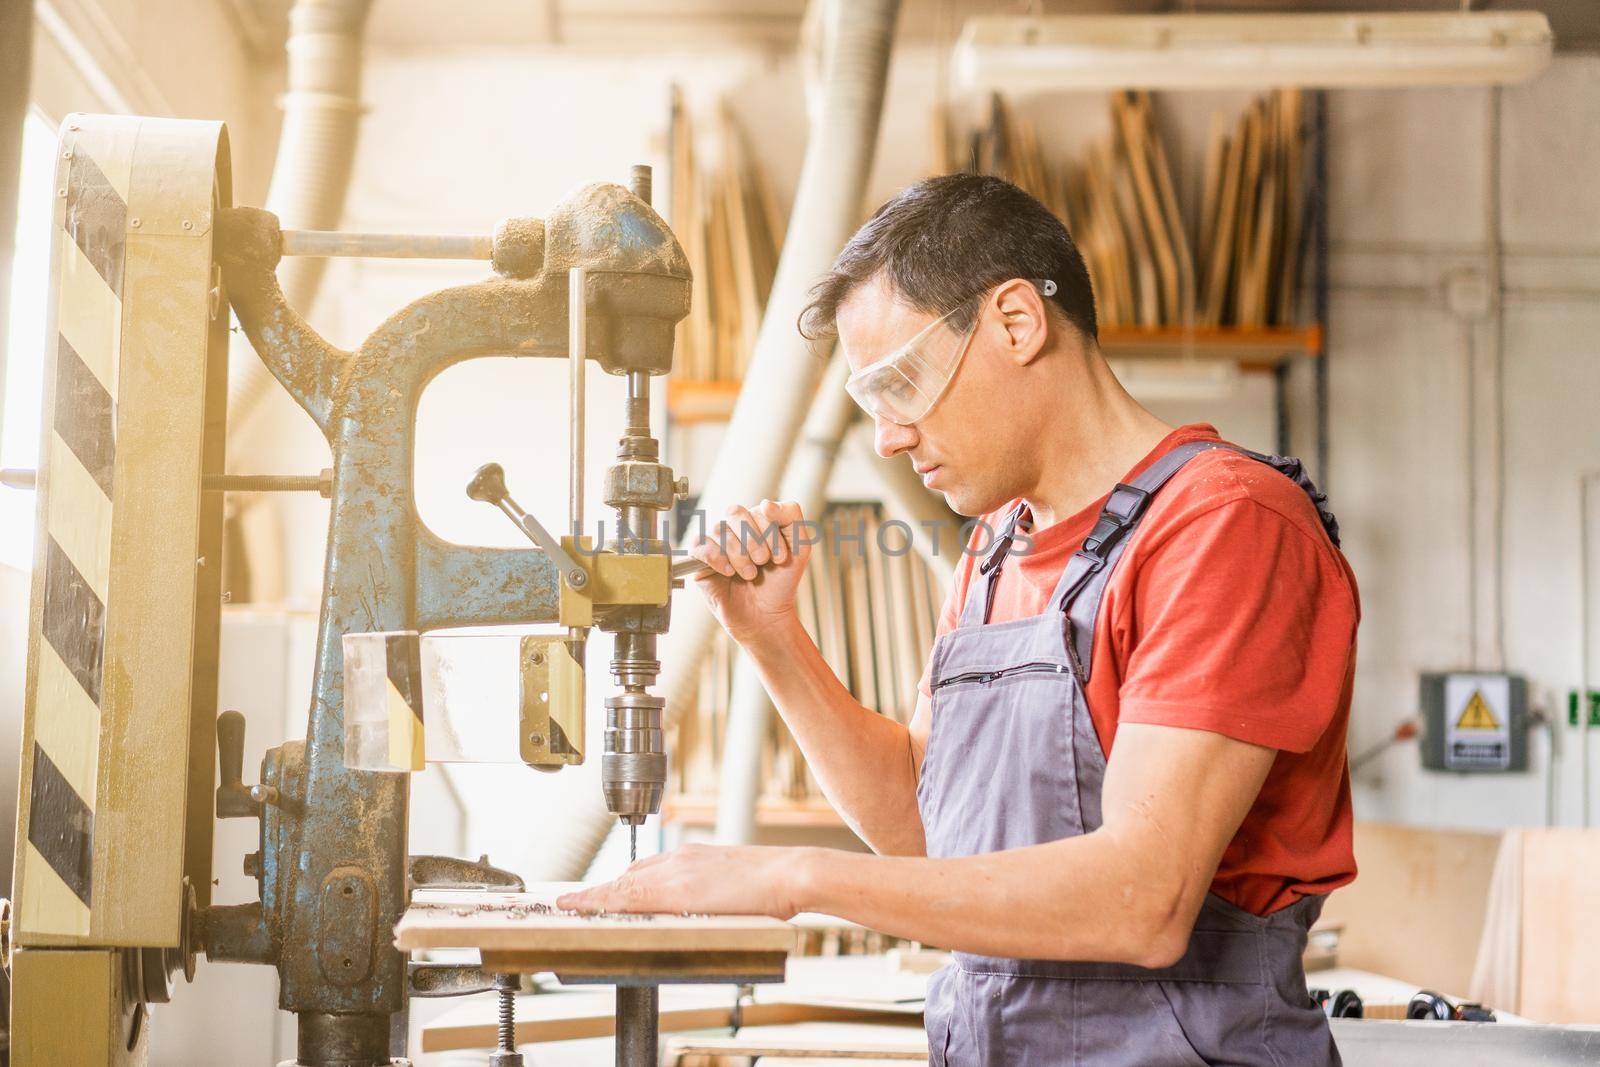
731,227
871,604
1236,265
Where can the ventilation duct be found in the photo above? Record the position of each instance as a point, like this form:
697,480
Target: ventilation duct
783,373
750,708
321,110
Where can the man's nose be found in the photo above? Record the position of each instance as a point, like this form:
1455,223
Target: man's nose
890,438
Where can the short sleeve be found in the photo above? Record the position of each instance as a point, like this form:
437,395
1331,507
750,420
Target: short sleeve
1242,622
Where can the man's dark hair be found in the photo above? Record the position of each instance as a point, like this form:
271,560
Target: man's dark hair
944,241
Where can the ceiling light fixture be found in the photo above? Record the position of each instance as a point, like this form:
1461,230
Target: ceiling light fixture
1022,54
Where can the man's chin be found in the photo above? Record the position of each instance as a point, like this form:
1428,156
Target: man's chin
970,504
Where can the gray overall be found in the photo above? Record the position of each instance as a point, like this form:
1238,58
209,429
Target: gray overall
1014,760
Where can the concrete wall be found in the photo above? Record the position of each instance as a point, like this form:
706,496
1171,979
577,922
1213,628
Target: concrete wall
1413,385
182,58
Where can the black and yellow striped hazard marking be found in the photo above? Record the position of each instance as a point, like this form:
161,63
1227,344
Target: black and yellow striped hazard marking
383,701
403,663
57,878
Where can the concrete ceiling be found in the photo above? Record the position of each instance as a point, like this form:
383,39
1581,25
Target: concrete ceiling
423,24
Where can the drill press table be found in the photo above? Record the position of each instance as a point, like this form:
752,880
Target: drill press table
523,933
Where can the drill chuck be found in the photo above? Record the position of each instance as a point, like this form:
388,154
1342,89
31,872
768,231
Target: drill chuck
633,764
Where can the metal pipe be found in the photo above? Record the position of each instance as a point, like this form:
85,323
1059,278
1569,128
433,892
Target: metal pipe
577,352
637,408
638,1025
270,483
636,525
27,478
336,1040
1320,245
640,181
327,243
1585,631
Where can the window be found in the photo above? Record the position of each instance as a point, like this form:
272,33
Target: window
25,343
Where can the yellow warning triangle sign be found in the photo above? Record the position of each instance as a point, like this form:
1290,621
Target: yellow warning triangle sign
1477,715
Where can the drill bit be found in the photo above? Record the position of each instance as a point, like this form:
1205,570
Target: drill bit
633,843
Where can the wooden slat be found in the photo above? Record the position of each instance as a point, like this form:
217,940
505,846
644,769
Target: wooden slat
578,1014
810,1041
698,966
510,921
1135,149
1560,926
1220,261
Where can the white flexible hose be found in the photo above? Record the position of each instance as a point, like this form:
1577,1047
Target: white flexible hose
750,709
321,110
783,373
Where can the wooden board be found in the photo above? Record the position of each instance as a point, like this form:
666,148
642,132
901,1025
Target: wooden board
1184,312
806,1041
1293,206
527,922
1219,256
1417,908
577,1014
1560,926
837,989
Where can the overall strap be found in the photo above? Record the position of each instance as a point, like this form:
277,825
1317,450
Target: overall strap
1084,580
976,610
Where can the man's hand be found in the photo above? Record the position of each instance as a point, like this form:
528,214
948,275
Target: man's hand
758,555
713,879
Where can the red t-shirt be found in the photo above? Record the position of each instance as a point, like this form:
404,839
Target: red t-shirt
1229,611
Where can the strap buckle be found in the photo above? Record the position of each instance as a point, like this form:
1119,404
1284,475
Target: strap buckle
1123,509
1002,544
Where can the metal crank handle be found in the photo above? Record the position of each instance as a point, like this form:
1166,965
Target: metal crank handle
690,568
694,568
489,485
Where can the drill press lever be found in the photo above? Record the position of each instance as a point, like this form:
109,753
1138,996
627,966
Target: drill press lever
489,486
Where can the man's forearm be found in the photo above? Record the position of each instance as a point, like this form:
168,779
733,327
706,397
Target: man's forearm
862,760
1085,898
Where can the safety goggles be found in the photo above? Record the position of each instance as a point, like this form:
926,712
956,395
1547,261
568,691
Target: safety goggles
904,385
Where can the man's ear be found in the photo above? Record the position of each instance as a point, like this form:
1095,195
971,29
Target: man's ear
1022,317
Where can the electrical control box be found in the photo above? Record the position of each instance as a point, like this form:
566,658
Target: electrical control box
1474,722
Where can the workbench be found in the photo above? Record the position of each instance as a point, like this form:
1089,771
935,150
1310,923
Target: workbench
859,1009
525,933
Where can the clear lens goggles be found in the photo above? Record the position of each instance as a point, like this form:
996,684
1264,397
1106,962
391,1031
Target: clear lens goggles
904,385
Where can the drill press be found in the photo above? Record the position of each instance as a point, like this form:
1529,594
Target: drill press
638,487
114,889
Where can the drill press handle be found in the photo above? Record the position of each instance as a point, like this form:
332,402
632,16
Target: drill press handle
489,486
234,800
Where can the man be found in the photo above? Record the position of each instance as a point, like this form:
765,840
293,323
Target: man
1138,902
